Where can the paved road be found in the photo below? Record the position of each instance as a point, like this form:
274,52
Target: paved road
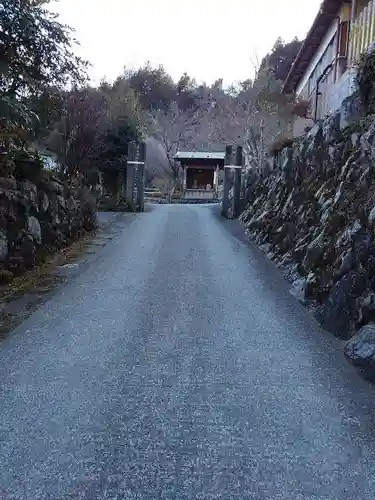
177,366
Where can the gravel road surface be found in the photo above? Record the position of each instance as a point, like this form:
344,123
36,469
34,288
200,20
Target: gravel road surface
177,366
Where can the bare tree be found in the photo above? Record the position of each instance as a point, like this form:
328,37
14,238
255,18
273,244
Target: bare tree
156,160
254,118
75,136
174,129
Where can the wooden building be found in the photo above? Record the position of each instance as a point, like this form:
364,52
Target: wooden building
201,174
325,68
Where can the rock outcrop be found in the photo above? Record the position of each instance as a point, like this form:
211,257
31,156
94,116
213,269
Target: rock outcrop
39,217
314,213
360,351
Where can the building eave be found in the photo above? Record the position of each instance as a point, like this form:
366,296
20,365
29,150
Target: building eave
199,155
327,13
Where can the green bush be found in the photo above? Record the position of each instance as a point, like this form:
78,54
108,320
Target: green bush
366,81
27,165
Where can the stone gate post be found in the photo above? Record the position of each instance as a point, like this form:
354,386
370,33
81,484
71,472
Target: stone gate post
135,178
141,176
237,183
130,175
232,170
227,174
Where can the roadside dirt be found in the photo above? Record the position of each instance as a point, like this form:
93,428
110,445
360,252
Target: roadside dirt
25,293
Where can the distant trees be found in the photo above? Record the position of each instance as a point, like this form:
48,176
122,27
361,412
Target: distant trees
255,116
75,135
281,58
45,99
174,128
188,115
123,123
154,88
186,92
255,113
94,129
170,113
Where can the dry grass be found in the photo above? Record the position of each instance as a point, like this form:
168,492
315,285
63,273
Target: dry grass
38,281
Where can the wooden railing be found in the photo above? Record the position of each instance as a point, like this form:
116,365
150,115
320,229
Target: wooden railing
362,33
200,194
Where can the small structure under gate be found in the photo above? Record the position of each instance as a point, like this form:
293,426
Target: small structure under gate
202,175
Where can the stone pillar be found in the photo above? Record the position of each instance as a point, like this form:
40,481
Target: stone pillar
130,176
216,180
100,182
135,176
237,183
120,188
227,175
141,176
123,180
101,188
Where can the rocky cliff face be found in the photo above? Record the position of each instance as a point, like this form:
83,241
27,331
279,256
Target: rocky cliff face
314,214
37,218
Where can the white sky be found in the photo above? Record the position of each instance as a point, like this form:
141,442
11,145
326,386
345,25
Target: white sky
208,39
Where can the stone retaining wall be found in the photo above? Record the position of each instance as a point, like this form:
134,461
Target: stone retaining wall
39,217
314,214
